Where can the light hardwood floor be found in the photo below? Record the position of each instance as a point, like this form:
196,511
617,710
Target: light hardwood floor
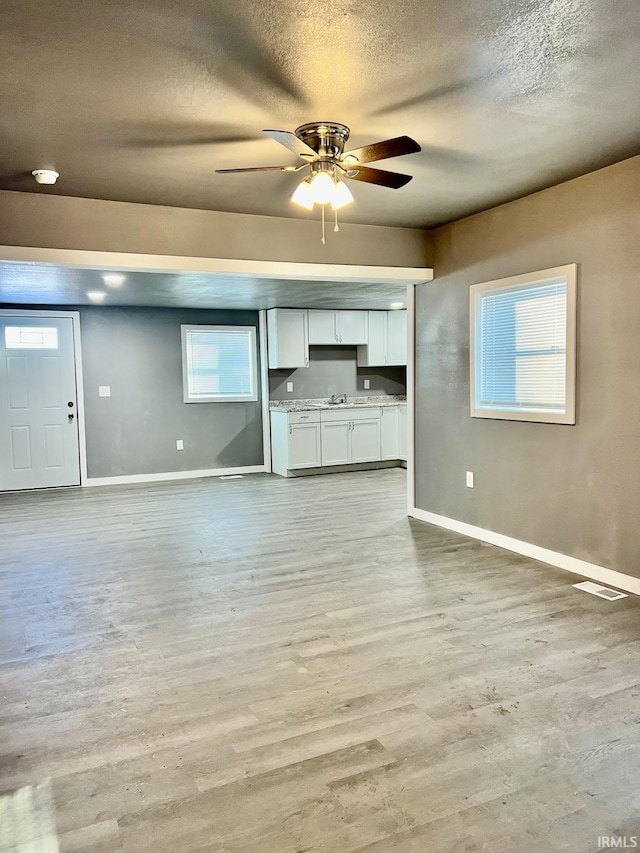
282,666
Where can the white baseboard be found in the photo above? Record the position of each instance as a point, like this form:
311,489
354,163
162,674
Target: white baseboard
609,577
172,475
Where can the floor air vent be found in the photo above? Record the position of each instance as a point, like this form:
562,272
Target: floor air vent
600,591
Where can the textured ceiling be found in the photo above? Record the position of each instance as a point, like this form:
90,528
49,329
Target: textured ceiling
141,101
43,284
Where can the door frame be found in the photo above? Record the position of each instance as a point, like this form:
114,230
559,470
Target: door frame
74,316
411,397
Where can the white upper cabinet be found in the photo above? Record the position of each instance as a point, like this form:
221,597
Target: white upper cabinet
322,327
337,327
387,340
374,353
288,341
396,337
381,336
351,327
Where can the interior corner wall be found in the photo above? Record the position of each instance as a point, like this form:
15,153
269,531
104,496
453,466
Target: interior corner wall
44,220
138,353
570,489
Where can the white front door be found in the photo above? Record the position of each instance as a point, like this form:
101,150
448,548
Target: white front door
38,403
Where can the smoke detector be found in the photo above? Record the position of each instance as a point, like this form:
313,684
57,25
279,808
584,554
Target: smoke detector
45,176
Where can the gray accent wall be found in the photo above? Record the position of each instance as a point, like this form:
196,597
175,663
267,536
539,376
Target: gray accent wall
572,489
137,351
334,370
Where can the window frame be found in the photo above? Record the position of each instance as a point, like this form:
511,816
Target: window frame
214,398
568,273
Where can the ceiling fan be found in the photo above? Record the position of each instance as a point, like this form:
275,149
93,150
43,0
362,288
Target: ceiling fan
321,147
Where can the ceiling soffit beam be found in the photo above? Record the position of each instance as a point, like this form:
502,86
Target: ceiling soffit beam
126,261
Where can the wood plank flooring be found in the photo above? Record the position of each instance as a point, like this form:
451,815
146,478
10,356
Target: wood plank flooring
284,666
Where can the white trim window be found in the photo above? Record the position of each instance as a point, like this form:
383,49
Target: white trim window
523,344
219,364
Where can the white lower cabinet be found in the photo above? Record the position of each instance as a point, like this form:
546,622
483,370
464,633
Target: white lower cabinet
335,441
350,435
402,433
304,446
389,432
295,441
365,441
330,437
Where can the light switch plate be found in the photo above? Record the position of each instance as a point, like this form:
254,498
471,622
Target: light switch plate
179,444
104,390
469,479
289,387
367,384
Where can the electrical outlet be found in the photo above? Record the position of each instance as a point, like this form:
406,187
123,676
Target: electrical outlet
104,390
367,384
289,387
179,444
469,479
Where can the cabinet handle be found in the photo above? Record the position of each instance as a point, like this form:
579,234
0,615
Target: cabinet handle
290,430
303,417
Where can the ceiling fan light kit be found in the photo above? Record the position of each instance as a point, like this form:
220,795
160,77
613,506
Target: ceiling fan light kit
321,146
303,195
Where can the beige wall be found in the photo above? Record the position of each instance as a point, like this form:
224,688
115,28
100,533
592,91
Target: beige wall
50,221
573,489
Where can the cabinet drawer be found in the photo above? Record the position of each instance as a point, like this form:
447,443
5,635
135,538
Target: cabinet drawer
358,414
303,417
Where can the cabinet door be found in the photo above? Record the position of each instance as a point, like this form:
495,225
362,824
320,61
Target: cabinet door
365,441
389,433
397,337
304,446
322,327
402,432
374,353
287,338
336,442
351,327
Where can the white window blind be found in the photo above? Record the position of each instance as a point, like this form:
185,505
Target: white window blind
522,353
219,363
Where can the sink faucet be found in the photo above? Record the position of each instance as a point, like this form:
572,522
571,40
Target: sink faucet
337,398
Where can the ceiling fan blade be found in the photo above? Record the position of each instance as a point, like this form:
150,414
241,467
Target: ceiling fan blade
291,142
427,97
393,180
259,169
384,150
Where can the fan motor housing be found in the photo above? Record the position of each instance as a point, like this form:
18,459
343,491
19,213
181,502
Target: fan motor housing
326,138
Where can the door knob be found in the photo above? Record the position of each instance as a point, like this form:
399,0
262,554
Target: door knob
70,417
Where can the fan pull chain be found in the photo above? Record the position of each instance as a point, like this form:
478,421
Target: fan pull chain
336,227
323,240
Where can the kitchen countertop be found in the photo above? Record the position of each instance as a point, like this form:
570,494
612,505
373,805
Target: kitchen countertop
352,403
